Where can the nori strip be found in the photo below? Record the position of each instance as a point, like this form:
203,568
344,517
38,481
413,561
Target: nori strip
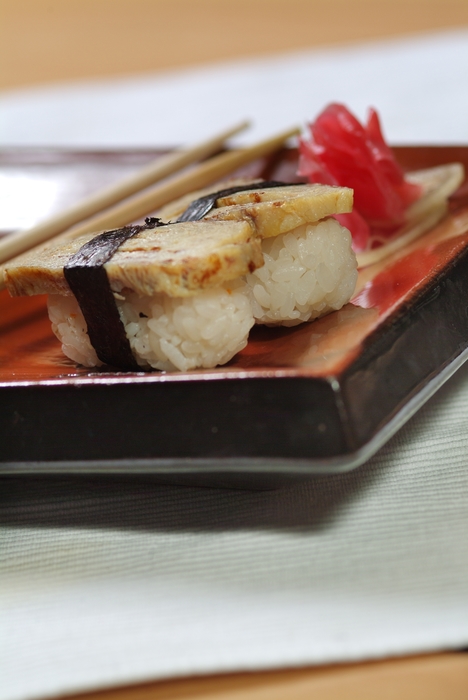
89,283
200,207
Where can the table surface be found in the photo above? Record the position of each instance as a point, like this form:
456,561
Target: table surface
42,41
51,40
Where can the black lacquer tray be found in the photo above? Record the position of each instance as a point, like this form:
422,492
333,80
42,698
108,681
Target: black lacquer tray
318,398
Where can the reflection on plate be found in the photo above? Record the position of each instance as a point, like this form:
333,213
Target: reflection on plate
320,397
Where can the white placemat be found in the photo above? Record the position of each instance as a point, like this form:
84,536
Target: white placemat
106,582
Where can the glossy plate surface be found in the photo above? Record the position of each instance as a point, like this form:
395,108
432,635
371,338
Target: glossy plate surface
320,397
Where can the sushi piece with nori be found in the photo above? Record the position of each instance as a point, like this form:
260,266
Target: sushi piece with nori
168,285
309,267
186,294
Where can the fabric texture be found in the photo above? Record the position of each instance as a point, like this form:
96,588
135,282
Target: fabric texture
118,580
113,580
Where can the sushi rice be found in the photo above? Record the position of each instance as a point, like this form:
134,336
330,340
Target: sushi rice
308,272
164,333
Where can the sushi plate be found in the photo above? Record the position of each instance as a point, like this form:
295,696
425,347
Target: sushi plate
318,398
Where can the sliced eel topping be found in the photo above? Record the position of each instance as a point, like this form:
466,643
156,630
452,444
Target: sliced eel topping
203,205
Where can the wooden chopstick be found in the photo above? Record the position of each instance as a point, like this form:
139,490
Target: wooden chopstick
148,201
155,171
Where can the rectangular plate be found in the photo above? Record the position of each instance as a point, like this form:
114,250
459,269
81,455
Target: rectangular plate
321,397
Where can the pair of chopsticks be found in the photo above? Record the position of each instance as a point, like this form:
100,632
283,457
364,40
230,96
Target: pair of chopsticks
143,193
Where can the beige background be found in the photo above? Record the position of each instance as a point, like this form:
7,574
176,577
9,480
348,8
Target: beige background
51,40
44,41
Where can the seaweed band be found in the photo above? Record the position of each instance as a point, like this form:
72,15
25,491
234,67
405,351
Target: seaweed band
89,283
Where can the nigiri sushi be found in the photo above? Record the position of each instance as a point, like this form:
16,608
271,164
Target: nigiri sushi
185,294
